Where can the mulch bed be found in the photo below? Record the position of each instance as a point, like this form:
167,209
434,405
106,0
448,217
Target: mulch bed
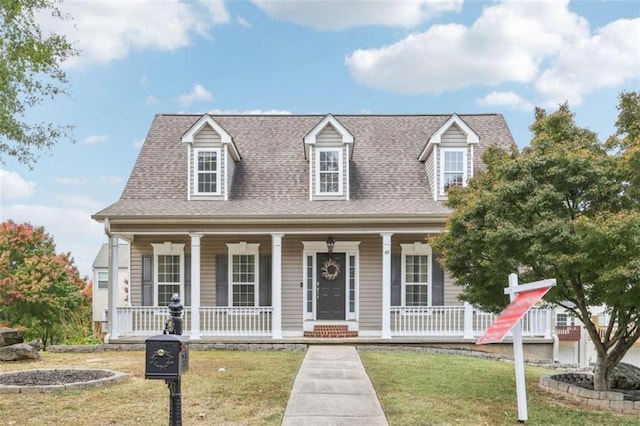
587,383
51,377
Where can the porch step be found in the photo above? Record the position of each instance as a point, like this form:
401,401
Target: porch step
336,331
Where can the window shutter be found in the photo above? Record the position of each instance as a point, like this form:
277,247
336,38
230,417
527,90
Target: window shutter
147,280
265,280
187,280
396,280
437,282
222,280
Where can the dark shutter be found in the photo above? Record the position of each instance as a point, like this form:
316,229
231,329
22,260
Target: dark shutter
265,280
396,280
147,280
222,280
187,280
437,282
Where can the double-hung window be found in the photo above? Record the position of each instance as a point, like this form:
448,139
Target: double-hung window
243,264
453,168
103,280
416,274
207,171
329,172
169,273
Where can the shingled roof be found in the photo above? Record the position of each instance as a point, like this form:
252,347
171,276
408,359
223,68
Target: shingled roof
272,179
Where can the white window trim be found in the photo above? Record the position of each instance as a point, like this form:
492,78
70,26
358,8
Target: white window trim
340,172
465,168
243,248
219,159
98,280
413,249
349,248
171,249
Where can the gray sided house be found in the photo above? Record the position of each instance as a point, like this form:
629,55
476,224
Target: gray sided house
296,226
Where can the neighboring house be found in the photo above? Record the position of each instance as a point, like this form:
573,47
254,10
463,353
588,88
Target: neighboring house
101,285
299,225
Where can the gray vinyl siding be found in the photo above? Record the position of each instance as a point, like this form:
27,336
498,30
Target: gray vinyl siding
292,294
329,138
430,170
208,138
451,291
230,168
370,306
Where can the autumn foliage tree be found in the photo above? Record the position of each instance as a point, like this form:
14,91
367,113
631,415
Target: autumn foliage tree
39,288
566,207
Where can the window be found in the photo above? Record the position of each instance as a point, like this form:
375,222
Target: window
169,272
243,280
207,171
329,172
563,319
416,274
103,280
453,169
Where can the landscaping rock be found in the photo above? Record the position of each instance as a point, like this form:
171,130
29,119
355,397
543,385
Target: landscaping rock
9,336
625,376
18,352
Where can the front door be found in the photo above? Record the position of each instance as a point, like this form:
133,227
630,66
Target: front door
331,286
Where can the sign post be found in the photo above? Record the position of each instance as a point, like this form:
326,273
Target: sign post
523,297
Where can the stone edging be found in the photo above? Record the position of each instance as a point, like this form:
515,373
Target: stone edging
192,346
116,377
612,401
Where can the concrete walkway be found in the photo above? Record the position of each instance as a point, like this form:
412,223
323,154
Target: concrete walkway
332,388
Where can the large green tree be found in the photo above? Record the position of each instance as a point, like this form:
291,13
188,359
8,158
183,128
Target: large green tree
30,72
562,208
40,290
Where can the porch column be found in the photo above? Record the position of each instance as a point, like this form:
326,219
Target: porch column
195,286
386,284
113,291
276,285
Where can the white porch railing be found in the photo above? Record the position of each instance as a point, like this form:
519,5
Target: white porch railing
214,321
460,321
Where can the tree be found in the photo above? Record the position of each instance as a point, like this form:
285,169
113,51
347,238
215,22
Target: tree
29,73
559,209
39,289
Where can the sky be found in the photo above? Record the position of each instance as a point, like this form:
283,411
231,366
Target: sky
141,58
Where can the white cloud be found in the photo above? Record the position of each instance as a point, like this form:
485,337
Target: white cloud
150,100
506,99
143,81
333,15
243,22
13,186
106,30
111,180
249,112
95,139
540,44
72,200
198,94
138,144
72,229
69,181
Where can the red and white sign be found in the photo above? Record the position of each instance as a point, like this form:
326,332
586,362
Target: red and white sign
511,315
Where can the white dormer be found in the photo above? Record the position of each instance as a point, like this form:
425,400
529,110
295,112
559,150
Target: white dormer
212,156
328,148
448,156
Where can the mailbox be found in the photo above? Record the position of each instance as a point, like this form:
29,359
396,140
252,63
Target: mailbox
167,357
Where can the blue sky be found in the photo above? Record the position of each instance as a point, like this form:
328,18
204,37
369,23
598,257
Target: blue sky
140,58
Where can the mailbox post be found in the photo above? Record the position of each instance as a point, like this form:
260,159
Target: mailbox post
167,358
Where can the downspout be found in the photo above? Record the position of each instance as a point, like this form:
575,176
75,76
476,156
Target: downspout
107,231
554,336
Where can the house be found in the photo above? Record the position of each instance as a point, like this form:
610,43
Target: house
299,225
101,283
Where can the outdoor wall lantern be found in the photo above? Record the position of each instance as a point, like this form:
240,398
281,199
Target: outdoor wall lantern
330,243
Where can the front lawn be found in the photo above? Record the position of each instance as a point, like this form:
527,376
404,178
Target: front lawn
431,389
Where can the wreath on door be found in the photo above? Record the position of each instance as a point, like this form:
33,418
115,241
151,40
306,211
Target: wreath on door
330,270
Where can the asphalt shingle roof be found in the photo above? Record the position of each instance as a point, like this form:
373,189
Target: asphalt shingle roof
272,179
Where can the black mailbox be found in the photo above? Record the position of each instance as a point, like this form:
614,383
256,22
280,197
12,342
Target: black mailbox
167,356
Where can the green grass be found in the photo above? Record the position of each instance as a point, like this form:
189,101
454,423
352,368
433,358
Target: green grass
253,389
431,389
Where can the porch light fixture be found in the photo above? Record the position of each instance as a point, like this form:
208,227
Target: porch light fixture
330,243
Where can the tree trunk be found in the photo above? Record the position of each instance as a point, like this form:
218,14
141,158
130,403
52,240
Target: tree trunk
601,374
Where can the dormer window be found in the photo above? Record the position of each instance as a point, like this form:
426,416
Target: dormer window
329,172
207,171
453,168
